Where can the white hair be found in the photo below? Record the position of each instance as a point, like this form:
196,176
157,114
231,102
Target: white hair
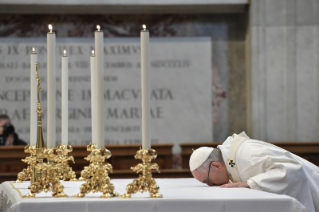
216,155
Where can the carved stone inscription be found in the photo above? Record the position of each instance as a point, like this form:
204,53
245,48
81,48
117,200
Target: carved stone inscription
180,88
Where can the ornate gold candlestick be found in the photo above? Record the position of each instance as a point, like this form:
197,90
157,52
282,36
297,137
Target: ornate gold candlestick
85,172
145,182
96,174
65,172
26,174
52,175
44,175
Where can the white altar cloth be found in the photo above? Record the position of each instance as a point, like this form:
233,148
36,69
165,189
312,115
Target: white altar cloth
179,195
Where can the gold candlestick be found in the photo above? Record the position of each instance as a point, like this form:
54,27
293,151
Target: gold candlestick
96,174
26,174
65,172
145,182
44,177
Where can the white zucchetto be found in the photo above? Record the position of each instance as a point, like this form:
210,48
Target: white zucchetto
199,156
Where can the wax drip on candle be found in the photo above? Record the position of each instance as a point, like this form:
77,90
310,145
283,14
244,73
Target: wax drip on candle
64,53
50,28
33,50
144,27
92,53
98,27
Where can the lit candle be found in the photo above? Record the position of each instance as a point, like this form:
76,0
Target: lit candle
33,98
99,62
145,88
51,90
93,99
64,99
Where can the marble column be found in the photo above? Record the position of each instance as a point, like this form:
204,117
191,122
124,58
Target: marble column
284,70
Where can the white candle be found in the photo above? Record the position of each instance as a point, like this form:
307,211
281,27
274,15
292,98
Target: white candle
99,62
33,98
65,99
51,89
145,88
93,99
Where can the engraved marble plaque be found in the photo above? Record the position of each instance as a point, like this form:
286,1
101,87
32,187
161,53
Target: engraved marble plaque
180,88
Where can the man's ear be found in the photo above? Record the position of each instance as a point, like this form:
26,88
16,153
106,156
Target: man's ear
217,165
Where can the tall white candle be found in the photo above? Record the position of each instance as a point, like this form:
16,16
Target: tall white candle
99,62
33,98
93,99
51,90
65,99
145,88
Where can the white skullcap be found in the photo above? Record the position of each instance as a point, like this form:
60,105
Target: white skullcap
199,156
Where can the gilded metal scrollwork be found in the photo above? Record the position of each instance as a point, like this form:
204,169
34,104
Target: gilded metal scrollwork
145,182
44,175
65,172
26,173
96,174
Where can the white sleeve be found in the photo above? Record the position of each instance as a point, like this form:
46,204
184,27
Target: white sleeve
277,175
272,169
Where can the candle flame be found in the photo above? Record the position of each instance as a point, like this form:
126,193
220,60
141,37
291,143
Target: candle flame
33,49
50,27
144,26
92,52
98,27
64,52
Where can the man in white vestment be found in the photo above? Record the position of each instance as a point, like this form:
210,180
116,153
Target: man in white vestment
244,162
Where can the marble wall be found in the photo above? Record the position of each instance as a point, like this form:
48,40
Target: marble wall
284,87
227,32
274,96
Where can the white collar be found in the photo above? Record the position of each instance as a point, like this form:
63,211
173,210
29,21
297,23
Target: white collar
225,147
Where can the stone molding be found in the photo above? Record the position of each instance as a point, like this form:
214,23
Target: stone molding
122,6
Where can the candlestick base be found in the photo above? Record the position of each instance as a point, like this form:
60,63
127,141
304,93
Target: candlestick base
45,175
26,174
96,174
145,182
65,171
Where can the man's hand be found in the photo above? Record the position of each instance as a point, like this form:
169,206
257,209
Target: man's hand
235,185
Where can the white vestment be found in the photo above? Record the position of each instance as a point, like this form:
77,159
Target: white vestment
272,169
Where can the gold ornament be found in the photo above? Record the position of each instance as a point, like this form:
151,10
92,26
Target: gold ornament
65,171
145,182
26,174
96,174
44,175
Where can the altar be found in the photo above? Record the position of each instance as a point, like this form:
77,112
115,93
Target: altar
183,194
